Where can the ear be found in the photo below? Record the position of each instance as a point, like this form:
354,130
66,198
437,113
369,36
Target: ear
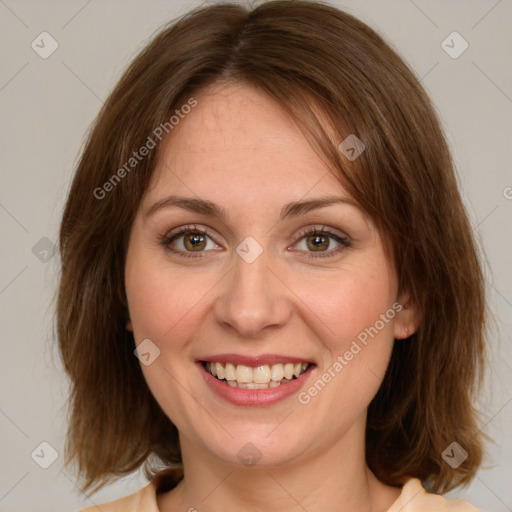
408,317
129,326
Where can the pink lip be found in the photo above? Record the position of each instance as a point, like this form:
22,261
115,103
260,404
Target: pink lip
253,360
254,397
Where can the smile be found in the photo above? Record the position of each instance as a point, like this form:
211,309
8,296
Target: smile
258,377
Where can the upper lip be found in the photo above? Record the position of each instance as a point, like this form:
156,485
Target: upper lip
253,360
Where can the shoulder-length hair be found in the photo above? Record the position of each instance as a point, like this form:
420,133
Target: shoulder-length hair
332,74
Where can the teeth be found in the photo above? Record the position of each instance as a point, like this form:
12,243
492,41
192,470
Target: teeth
260,377
230,372
288,370
277,372
243,373
261,374
219,370
254,385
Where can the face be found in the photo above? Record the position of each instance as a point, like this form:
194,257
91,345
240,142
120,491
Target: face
295,305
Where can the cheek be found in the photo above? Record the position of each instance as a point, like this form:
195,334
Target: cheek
358,311
150,296
161,306
350,303
163,303
354,318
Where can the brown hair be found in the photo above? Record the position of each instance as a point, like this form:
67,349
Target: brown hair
324,67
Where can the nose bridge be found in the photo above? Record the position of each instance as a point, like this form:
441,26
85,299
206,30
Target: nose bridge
253,298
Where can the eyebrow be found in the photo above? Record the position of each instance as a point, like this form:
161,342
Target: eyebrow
209,208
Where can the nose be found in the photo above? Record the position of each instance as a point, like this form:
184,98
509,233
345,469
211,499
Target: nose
253,299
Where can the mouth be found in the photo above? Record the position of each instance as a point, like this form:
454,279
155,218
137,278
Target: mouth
256,377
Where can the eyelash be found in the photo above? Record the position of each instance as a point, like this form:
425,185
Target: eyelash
166,240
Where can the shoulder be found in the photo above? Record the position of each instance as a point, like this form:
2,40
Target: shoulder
414,498
143,500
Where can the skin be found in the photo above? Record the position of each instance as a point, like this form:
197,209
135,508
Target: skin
240,150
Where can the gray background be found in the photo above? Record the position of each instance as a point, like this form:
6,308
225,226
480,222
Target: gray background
47,106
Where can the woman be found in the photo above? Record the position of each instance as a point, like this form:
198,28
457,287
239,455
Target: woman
270,294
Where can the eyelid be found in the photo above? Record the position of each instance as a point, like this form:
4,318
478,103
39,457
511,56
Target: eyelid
342,239
186,228
175,234
328,230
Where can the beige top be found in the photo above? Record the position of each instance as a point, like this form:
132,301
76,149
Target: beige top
413,498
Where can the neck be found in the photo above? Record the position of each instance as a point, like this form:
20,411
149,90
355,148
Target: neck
332,478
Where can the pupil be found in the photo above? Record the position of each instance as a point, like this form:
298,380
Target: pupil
194,241
318,241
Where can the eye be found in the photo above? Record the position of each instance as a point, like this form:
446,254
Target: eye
191,242
188,240
317,241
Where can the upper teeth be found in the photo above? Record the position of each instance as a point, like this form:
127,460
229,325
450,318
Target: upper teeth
259,375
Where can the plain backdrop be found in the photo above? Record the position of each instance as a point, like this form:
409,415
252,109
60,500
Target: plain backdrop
47,106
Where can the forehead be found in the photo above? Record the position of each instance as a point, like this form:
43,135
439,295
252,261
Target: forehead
239,141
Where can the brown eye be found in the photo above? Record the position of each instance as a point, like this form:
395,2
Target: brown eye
194,242
189,242
317,242
321,242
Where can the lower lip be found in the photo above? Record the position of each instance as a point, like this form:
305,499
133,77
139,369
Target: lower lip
253,397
